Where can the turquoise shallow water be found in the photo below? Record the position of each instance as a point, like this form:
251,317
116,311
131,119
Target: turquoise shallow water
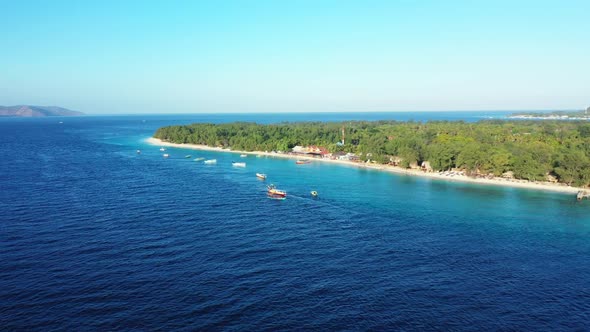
96,237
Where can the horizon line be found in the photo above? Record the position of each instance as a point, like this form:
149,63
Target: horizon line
343,111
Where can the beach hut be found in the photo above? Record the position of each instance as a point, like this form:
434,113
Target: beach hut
395,160
339,155
550,178
299,149
352,157
508,175
426,166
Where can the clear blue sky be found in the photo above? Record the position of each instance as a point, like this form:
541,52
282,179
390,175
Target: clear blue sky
273,56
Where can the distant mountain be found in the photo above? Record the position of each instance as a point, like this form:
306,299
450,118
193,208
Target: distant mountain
36,111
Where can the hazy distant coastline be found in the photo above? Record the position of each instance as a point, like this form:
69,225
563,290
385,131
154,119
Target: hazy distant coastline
29,111
555,115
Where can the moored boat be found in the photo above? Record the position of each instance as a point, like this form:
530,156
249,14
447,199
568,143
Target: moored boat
272,190
302,161
199,159
162,149
165,155
261,176
188,156
243,155
280,197
138,151
210,161
235,164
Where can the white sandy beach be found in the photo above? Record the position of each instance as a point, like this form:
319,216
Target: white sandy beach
411,172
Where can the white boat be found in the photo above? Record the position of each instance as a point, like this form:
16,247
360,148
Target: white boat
243,155
238,164
165,155
138,151
162,149
210,161
261,176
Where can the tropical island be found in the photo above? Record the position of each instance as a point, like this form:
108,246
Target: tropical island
555,115
36,111
549,152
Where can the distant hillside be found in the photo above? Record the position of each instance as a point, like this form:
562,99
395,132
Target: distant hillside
36,111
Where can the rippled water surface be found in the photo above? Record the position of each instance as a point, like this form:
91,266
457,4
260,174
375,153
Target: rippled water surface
96,237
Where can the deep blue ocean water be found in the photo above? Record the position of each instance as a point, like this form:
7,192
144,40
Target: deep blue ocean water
96,237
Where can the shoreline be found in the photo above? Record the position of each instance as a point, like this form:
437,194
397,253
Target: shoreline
523,184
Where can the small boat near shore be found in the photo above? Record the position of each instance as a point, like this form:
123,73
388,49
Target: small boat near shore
261,176
302,161
210,161
273,191
162,149
243,155
188,156
165,155
237,164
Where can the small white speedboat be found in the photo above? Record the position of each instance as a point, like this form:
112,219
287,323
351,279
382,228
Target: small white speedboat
165,155
162,149
210,161
234,164
243,155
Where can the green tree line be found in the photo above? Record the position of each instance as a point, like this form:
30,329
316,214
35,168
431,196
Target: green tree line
530,149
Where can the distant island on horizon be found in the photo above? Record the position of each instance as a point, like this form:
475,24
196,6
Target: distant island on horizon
555,115
30,111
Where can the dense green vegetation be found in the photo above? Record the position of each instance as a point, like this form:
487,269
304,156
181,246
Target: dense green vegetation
530,149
